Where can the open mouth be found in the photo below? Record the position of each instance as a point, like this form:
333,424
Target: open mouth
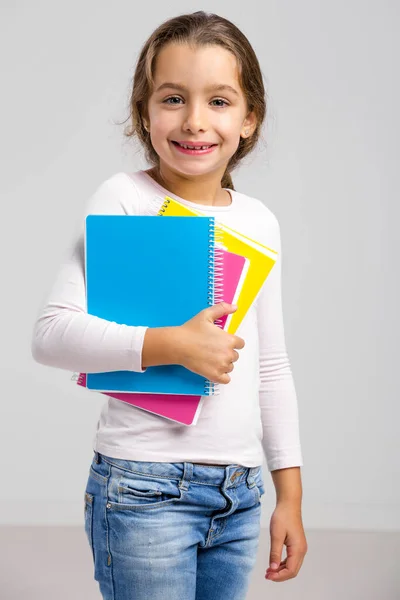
189,147
193,150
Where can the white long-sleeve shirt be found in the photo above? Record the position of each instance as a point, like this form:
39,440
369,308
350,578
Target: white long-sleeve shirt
255,412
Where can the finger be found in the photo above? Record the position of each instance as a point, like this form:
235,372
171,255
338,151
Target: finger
281,566
274,572
282,575
275,553
238,342
235,356
224,378
285,571
293,561
279,574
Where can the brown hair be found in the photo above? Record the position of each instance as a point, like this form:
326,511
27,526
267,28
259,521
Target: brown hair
198,29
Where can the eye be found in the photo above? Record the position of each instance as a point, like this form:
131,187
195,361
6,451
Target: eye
177,98
220,100
170,98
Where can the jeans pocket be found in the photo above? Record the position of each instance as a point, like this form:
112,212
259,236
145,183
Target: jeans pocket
89,499
100,471
140,491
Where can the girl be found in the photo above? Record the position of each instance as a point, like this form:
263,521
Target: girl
174,511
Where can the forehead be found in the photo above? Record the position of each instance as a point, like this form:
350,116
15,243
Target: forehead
196,67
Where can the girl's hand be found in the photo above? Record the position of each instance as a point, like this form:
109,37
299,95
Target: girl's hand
205,348
286,527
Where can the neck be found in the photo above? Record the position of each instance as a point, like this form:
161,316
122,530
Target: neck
204,190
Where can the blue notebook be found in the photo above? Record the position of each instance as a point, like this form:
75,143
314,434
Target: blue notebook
143,270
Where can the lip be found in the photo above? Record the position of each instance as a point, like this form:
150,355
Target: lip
189,143
193,152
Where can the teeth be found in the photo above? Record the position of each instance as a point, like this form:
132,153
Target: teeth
194,147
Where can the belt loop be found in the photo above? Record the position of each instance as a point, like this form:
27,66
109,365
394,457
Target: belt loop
236,471
187,475
250,475
96,457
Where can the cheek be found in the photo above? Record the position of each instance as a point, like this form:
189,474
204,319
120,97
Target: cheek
162,127
229,126
158,122
160,119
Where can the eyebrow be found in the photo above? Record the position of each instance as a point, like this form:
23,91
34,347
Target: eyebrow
183,88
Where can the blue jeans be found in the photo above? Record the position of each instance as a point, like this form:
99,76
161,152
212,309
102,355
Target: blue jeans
169,531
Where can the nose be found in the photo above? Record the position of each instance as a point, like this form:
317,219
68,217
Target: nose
195,119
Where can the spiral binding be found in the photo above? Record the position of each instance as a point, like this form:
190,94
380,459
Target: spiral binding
163,207
79,378
215,282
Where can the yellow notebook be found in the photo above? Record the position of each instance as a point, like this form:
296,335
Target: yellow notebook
261,258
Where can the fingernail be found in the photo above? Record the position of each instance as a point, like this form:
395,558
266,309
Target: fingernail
274,566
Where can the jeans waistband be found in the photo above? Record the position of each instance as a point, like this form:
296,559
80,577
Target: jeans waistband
186,471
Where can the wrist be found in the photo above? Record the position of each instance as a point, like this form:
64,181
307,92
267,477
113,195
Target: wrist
176,345
288,486
160,346
290,502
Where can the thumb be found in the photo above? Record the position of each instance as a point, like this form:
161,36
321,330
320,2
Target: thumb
219,310
275,555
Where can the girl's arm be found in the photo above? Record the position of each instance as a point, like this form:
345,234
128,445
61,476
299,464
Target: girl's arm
278,401
64,335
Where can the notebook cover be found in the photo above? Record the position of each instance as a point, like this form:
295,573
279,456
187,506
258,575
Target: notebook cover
175,407
137,274
261,258
185,409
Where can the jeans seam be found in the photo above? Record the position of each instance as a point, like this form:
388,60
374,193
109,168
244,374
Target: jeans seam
100,478
109,555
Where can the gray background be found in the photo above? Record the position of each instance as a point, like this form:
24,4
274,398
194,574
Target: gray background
328,169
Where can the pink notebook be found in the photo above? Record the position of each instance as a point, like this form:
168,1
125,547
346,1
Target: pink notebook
183,408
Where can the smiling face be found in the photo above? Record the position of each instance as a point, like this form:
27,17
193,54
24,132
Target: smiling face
186,106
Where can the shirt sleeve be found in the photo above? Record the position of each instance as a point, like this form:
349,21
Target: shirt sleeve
65,336
277,394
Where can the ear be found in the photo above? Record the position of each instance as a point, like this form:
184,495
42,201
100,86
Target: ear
145,119
249,125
